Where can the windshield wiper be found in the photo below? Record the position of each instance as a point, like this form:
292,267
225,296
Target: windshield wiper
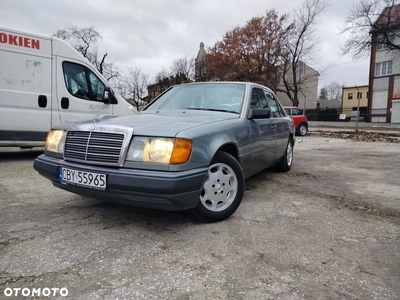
213,109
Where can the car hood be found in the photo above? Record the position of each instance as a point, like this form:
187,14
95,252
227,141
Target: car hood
162,123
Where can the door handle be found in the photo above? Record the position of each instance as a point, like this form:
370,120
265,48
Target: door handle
273,126
42,101
64,102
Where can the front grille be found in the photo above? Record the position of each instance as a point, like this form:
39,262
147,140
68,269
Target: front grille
94,147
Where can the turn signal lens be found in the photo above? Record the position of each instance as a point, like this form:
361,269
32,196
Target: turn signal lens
181,151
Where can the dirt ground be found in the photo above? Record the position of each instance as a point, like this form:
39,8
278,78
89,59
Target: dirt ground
328,229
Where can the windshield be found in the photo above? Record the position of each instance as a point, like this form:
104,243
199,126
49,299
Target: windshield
216,97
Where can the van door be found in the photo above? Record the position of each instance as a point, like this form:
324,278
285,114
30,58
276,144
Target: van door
25,89
80,92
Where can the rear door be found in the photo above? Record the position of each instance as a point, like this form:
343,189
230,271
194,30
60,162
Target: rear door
282,123
79,92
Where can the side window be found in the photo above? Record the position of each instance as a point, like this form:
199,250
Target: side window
274,105
258,99
97,87
296,112
82,83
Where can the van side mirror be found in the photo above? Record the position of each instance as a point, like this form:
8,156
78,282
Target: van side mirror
109,97
106,97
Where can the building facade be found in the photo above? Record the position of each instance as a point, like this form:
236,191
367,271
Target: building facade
308,95
384,77
350,96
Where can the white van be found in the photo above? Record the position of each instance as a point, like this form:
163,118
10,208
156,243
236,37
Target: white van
44,82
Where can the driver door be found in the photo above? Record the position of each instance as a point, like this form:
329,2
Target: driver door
79,93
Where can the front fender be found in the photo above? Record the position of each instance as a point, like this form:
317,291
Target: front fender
211,139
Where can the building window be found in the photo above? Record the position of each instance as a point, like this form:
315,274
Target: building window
367,95
383,68
359,95
382,46
350,96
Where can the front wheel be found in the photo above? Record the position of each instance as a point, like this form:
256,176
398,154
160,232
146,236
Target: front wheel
285,163
222,190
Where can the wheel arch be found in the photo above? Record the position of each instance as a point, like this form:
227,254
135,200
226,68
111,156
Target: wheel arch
301,123
230,148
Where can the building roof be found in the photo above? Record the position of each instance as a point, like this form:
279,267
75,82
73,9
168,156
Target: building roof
355,86
389,17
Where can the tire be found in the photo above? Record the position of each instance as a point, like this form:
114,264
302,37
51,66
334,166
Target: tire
286,161
222,190
302,129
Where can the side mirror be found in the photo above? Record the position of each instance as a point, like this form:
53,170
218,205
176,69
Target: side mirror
260,113
106,97
109,97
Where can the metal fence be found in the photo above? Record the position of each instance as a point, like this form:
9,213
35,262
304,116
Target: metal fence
332,114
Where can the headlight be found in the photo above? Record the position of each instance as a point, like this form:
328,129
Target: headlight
55,141
160,150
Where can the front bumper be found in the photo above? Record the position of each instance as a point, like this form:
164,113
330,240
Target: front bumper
152,189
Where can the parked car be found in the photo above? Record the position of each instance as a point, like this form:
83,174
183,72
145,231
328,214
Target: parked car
191,148
300,120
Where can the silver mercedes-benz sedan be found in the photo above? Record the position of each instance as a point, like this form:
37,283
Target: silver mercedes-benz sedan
191,148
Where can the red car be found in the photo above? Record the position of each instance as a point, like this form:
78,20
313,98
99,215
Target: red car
300,120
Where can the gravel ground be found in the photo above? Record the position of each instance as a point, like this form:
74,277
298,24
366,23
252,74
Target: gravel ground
328,229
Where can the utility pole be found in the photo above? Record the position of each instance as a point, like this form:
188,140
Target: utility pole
358,107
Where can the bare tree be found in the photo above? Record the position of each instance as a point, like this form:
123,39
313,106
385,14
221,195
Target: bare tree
134,87
331,91
183,67
334,90
376,17
301,46
181,71
122,88
162,81
85,41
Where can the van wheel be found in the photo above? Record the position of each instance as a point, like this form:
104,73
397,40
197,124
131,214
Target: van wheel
222,190
285,163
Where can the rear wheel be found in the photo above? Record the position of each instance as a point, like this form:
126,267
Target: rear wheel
285,163
302,129
222,190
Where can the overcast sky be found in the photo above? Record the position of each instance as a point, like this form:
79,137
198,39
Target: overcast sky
149,34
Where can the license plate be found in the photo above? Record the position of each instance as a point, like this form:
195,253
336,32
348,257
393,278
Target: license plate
87,179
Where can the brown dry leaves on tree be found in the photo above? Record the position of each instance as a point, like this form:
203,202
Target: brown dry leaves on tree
363,136
252,52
